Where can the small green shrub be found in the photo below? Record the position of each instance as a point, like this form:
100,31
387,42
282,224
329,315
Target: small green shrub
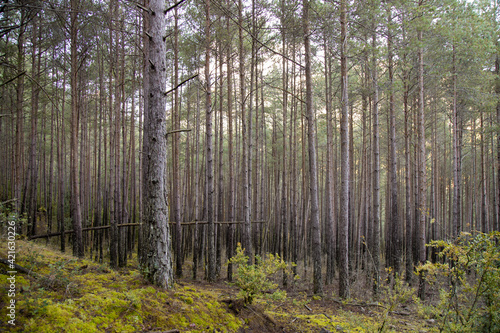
255,280
469,294
394,293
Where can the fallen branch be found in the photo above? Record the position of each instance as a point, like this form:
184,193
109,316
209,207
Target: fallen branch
401,313
17,267
6,202
54,234
358,304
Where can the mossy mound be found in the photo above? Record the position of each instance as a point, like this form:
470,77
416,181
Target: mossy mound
68,295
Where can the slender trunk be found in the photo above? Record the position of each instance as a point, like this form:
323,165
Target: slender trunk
175,162
32,173
230,200
395,223
19,143
283,208
422,181
220,182
196,259
211,272
344,147
246,241
497,90
313,160
484,198
376,172
329,236
76,214
457,158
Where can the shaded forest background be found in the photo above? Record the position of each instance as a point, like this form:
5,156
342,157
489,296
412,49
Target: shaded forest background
404,99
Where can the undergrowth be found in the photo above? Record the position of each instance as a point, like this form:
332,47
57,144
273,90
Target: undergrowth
467,280
65,294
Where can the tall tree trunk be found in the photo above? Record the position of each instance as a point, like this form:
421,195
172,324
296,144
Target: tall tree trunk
344,147
76,214
283,208
32,173
19,142
395,223
408,216
247,234
196,259
422,180
211,272
484,198
220,176
457,156
329,235
230,199
313,159
175,162
156,262
497,90
376,169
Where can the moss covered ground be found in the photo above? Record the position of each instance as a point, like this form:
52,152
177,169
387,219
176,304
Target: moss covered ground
64,294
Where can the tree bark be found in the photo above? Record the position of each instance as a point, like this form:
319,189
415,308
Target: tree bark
344,147
175,162
422,180
156,262
76,214
376,170
497,90
395,223
211,271
329,225
230,199
247,234
313,159
457,157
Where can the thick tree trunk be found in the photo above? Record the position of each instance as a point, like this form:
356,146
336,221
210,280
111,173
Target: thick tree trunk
156,262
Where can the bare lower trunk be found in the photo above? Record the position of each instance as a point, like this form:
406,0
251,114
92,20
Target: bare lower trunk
156,261
345,176
209,161
76,214
422,181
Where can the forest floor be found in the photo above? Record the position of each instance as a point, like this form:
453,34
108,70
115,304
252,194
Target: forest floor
64,294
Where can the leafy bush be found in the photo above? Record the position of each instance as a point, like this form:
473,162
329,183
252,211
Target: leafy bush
254,280
470,293
394,293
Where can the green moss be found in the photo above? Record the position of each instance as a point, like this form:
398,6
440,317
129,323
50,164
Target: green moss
98,299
